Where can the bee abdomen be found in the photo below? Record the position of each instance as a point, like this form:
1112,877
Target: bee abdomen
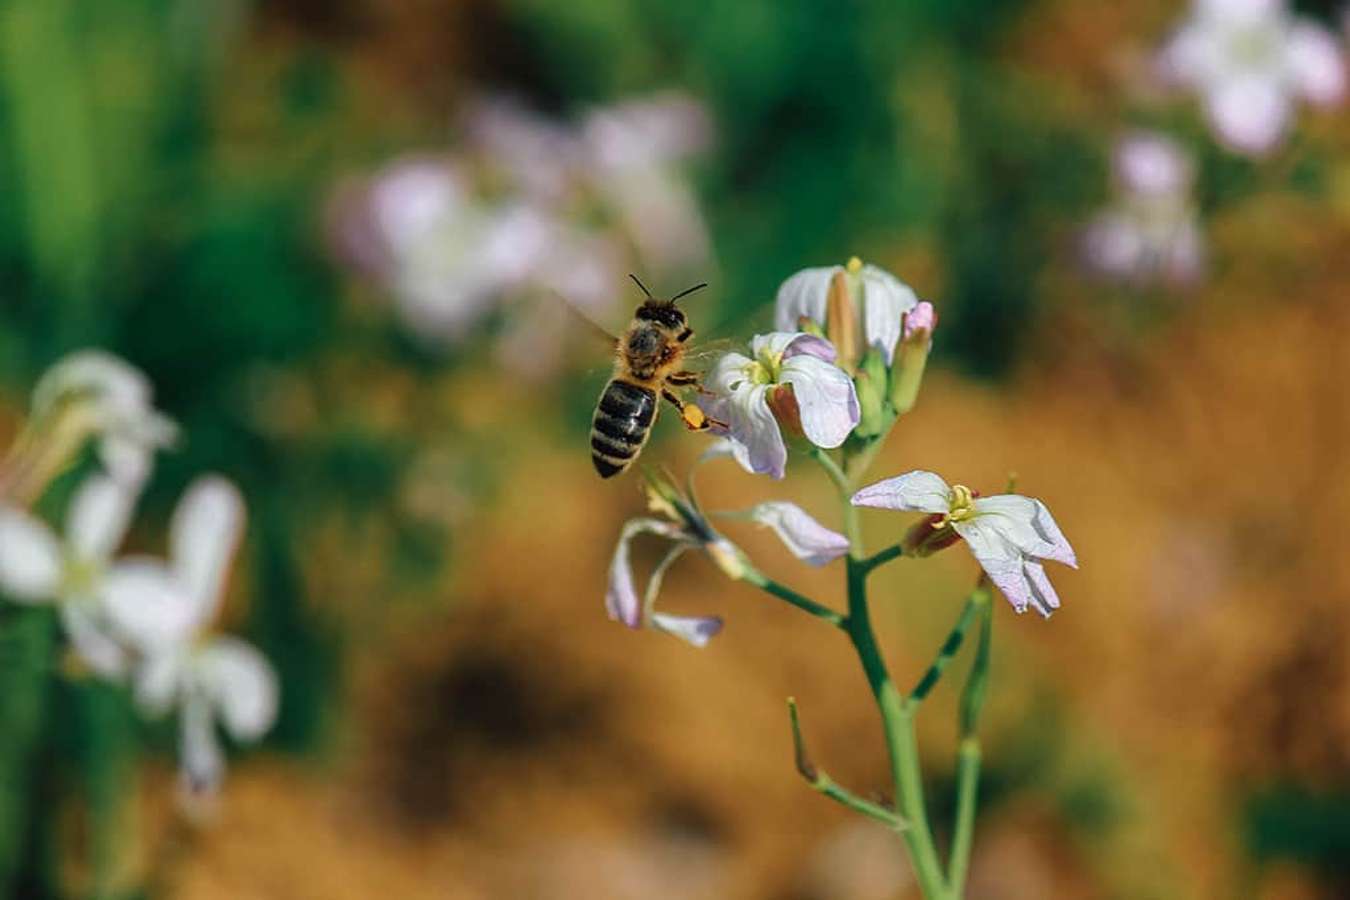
622,421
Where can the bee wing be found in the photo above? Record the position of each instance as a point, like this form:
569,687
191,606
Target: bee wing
578,315
706,353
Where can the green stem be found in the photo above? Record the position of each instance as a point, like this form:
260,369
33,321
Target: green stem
820,781
949,648
881,557
819,610
968,755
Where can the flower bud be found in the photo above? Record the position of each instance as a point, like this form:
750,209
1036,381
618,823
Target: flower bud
841,320
870,383
911,357
929,535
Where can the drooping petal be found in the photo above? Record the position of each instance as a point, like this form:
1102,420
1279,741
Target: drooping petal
99,516
886,299
91,641
621,597
657,577
201,762
1043,596
1249,113
916,491
803,295
147,606
809,541
242,684
1316,64
1027,523
826,397
30,558
203,535
159,680
1001,561
697,630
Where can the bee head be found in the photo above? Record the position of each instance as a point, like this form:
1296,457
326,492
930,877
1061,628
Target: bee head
663,313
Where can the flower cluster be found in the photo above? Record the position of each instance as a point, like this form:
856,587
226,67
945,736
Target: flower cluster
845,363
1251,62
1152,230
132,618
525,206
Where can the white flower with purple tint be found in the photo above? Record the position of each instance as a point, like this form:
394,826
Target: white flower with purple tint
165,612
805,538
73,572
883,299
1008,534
625,605
1152,229
789,376
1251,61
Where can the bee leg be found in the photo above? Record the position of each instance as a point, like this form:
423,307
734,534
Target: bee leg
681,379
690,414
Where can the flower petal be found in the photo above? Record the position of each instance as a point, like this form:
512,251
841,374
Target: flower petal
886,299
803,295
147,606
1027,523
810,345
697,630
621,597
1043,596
1001,561
201,761
99,516
92,642
242,684
159,679
916,491
826,397
30,558
1316,64
203,535
728,374
1249,113
809,541
758,442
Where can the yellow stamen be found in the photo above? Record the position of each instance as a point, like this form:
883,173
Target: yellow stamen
854,265
962,502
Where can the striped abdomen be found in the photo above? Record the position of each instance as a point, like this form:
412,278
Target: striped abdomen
622,421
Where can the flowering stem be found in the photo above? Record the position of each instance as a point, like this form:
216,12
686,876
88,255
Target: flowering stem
882,557
826,785
968,754
819,610
949,648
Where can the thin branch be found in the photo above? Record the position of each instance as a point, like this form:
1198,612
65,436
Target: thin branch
823,783
806,604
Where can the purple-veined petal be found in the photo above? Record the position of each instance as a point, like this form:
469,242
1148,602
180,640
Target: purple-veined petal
99,516
809,541
1316,64
886,299
697,630
803,295
916,491
826,398
1043,596
30,557
1249,113
810,345
1001,561
621,597
147,606
203,535
1028,525
757,441
242,684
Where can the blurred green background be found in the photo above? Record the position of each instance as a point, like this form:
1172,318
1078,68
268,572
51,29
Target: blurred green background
427,543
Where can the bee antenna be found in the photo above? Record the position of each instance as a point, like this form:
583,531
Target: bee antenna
641,285
698,287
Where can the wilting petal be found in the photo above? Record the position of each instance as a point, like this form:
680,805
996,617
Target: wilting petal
1043,596
916,491
1028,525
1001,561
243,685
621,597
92,643
804,295
826,397
147,606
697,630
886,299
1316,64
30,558
1249,113
809,541
203,536
99,516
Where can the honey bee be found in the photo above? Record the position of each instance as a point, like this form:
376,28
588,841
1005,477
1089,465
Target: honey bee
648,360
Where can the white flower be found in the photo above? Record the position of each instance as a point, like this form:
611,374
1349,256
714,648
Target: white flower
807,539
207,677
111,399
884,299
794,372
622,600
1251,60
1007,533
73,573
1152,229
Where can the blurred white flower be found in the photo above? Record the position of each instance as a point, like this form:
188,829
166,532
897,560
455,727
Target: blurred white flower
807,539
1008,533
790,378
91,392
884,301
1152,230
1251,61
73,572
165,611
